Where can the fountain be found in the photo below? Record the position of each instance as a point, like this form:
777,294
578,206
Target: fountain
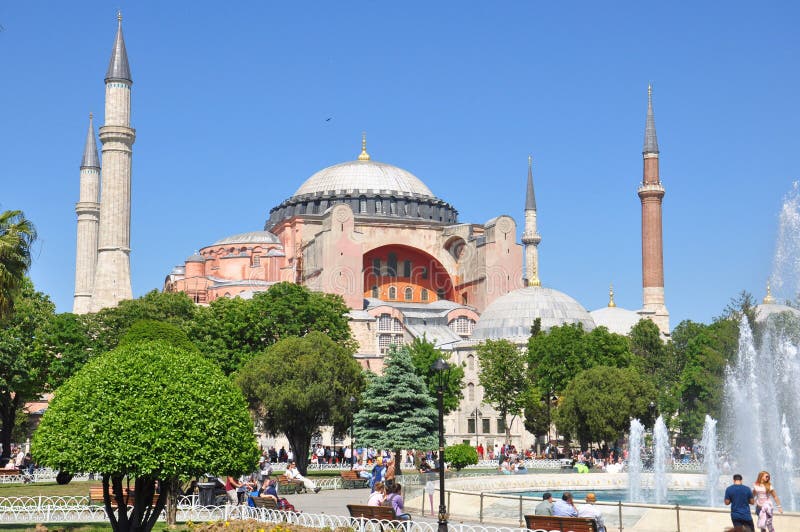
635,450
711,461
762,385
662,453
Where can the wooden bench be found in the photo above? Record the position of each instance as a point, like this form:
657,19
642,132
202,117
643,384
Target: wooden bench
560,524
96,497
352,480
268,503
378,513
286,486
9,472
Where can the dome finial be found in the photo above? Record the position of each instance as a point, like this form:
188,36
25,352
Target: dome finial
611,296
768,299
119,15
364,156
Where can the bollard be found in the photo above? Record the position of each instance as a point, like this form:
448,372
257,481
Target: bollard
620,515
678,516
423,505
521,519
481,510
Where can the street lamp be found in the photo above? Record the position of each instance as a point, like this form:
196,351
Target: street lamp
352,426
476,414
441,369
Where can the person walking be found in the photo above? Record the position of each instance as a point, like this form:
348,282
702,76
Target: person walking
739,497
762,490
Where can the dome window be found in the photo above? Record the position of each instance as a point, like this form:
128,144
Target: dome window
409,293
392,293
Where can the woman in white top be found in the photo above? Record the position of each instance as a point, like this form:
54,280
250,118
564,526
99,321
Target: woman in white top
377,496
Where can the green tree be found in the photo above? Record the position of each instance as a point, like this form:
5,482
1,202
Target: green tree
460,456
299,384
538,415
744,304
152,331
231,331
23,368
502,375
599,402
64,341
423,355
147,412
17,235
107,326
706,350
396,409
658,362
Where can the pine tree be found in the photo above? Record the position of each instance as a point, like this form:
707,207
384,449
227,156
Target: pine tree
396,410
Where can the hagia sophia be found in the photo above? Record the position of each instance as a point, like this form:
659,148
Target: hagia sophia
375,234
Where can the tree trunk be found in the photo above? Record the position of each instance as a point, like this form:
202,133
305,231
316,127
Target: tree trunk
398,458
300,444
172,484
8,415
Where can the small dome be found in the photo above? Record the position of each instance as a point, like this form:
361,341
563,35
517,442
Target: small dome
512,315
765,310
615,319
196,257
253,237
364,176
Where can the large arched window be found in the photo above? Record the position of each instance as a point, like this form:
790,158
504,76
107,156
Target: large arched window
470,392
362,204
471,362
392,293
409,293
378,206
423,295
375,292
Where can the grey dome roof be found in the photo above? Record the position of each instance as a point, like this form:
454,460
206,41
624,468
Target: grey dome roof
253,237
615,319
512,315
765,310
196,257
364,176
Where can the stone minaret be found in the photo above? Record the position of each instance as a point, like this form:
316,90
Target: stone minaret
112,282
651,193
531,237
88,211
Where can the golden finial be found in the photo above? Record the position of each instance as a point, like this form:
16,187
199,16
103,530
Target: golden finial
768,299
611,296
364,156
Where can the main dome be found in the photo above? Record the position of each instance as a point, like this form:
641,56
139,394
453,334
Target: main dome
511,316
364,176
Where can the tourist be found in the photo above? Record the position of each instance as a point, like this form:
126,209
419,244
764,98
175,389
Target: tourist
546,506
232,484
590,510
388,477
739,497
294,475
396,500
376,497
762,490
565,507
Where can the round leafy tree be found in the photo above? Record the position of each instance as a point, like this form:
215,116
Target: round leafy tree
142,413
152,331
460,456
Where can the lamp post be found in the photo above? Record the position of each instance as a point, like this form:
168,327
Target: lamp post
441,370
476,414
352,426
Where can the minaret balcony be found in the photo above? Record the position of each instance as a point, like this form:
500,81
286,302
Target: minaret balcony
528,238
650,190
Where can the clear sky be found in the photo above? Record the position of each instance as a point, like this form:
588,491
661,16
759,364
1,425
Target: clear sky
231,102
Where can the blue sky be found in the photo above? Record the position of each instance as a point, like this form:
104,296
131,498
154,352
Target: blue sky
230,102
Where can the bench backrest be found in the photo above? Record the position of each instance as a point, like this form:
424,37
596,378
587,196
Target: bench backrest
350,475
562,524
265,502
371,512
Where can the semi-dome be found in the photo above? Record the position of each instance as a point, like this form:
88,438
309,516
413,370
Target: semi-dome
765,310
252,237
615,319
512,315
364,176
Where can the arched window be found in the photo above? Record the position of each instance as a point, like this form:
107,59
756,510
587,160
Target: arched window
471,362
409,293
392,293
423,295
378,206
462,325
393,207
375,293
470,392
362,204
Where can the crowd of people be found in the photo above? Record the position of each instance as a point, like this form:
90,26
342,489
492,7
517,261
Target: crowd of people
565,507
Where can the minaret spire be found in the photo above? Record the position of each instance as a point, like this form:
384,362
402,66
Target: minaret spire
112,282
650,138
531,237
118,68
651,194
88,211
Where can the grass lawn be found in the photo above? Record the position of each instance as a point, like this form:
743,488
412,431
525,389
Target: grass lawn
47,489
